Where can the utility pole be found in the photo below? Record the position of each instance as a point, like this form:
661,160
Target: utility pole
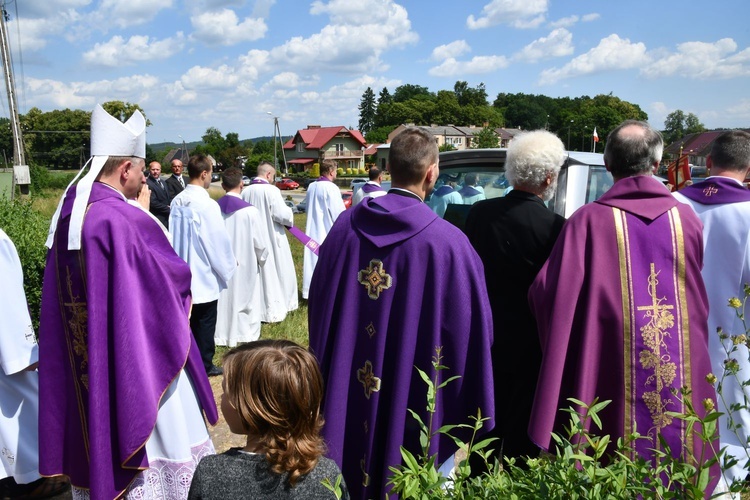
277,136
20,168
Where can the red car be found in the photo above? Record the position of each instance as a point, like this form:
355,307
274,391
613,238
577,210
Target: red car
287,183
347,197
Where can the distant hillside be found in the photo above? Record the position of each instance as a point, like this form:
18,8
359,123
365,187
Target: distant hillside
160,146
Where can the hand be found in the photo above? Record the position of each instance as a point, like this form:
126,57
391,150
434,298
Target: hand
144,198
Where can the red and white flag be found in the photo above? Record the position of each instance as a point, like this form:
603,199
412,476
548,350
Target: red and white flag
596,136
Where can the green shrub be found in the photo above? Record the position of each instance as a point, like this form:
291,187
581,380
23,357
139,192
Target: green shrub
582,465
28,231
314,170
42,179
340,171
362,171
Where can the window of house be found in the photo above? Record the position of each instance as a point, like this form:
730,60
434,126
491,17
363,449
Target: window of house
339,147
300,147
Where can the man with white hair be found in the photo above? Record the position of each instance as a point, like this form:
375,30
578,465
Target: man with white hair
514,235
121,379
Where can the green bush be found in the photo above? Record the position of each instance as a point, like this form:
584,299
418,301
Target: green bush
362,171
340,171
582,465
41,178
28,231
314,171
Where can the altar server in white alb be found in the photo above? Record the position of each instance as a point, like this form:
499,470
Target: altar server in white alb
324,205
723,204
239,308
278,278
19,381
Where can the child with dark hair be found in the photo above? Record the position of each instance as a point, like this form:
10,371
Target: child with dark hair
272,394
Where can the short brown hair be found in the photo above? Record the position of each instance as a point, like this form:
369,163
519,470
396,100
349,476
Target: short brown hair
112,162
327,166
197,165
410,154
231,178
277,389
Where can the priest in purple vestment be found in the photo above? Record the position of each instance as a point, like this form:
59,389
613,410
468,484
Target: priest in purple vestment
121,381
622,310
393,283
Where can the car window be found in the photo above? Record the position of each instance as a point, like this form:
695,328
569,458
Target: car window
599,183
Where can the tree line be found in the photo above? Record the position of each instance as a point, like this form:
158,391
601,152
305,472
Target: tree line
573,119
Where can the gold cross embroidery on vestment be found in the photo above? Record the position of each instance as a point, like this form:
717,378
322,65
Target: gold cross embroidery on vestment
375,279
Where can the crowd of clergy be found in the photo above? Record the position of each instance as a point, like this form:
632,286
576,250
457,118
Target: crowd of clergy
145,276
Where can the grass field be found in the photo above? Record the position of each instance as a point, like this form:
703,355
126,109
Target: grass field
6,179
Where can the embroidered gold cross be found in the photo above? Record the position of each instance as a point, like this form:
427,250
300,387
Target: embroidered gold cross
369,381
375,279
710,190
655,308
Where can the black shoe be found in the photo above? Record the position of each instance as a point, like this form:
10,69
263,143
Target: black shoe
214,371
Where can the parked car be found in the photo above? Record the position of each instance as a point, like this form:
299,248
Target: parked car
287,183
347,197
356,182
215,176
583,179
245,180
302,206
290,204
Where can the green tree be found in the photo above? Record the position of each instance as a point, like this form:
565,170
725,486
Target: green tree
468,96
123,110
677,125
58,138
367,110
485,138
408,92
379,135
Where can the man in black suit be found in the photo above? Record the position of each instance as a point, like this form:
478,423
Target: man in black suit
175,183
159,196
514,236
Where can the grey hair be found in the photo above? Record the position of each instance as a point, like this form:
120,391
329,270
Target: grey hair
633,148
531,157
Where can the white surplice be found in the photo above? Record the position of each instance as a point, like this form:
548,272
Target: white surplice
324,205
239,307
278,278
726,270
19,389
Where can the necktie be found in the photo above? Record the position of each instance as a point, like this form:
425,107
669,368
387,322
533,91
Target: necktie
182,183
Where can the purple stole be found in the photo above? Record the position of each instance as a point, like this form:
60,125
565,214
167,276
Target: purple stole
230,204
368,188
323,178
443,190
468,191
717,191
258,180
304,239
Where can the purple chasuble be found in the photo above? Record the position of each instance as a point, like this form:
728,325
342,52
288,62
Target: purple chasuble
443,190
230,204
114,335
393,282
368,188
622,316
468,191
717,191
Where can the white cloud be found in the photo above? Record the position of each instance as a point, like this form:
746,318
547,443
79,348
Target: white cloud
516,13
83,95
47,9
590,17
353,42
450,50
558,43
34,32
125,13
117,51
701,61
289,79
612,53
224,28
202,78
477,65
565,22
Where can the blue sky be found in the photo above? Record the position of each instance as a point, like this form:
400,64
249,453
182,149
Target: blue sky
193,64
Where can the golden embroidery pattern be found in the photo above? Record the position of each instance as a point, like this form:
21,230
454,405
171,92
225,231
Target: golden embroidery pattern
79,326
375,279
370,329
365,475
656,356
369,381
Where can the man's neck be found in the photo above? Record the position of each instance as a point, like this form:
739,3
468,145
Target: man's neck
196,182
731,174
418,190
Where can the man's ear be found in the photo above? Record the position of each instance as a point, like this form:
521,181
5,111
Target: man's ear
431,173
